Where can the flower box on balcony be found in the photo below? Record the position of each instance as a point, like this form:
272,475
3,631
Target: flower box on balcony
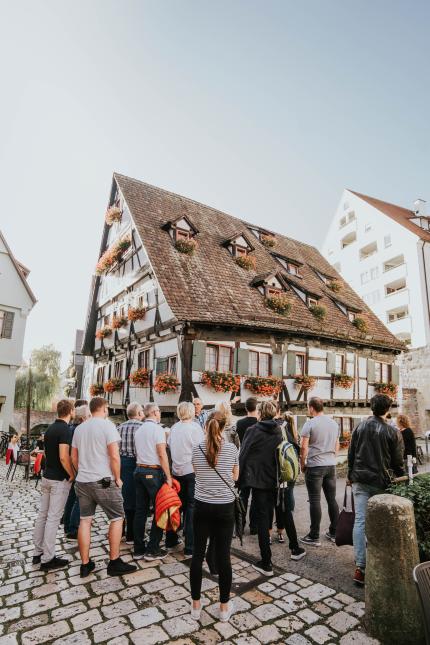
113,214
119,322
305,381
186,246
96,389
113,255
140,378
104,332
386,388
268,240
318,311
360,324
279,303
113,385
136,313
221,381
165,383
343,381
263,385
334,285
245,262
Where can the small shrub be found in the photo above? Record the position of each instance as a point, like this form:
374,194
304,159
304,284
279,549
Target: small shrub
419,494
245,261
186,246
318,311
360,324
279,303
334,285
269,241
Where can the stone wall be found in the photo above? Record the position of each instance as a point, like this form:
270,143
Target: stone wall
414,394
19,418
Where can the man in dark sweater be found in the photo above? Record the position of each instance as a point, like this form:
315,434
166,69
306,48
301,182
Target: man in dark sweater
57,479
241,428
258,470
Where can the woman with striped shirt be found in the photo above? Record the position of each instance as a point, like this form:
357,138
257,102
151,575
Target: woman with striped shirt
214,511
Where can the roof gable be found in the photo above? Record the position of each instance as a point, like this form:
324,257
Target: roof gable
21,270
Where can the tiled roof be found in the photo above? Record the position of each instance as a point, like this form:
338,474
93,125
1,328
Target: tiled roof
22,270
399,214
209,287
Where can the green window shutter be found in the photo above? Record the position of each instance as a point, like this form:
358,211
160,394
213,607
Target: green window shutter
277,365
370,370
241,362
331,362
7,324
199,356
291,363
395,374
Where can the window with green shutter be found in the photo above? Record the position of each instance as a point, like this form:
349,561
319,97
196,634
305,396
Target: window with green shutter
6,323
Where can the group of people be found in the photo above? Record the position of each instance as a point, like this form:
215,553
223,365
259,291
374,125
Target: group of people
211,460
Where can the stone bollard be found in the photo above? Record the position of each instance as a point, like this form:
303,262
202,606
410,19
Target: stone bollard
393,613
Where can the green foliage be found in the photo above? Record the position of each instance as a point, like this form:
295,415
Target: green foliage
318,311
419,494
45,379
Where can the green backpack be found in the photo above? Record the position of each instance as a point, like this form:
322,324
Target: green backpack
288,460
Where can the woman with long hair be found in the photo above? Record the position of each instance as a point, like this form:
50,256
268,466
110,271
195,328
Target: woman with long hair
230,432
404,425
216,465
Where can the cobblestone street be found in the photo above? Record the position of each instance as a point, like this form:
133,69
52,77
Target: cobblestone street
152,605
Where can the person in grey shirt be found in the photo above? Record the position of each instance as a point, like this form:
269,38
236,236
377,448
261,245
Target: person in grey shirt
318,449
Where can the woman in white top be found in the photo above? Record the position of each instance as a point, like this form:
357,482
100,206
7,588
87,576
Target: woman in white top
214,510
184,435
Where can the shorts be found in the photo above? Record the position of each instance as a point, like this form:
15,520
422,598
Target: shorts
91,494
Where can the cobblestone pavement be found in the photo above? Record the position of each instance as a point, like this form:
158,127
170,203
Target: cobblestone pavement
152,605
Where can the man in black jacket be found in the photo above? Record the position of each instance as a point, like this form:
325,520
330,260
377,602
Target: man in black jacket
258,470
376,451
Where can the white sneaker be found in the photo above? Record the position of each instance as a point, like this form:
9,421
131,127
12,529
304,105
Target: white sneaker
225,616
195,613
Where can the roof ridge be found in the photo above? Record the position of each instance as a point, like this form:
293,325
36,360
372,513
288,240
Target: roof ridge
382,201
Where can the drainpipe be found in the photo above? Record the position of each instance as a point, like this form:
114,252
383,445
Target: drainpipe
426,283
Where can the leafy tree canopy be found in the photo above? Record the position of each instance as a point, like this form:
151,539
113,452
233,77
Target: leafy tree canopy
45,378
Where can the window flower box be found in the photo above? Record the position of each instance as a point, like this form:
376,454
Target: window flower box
279,303
113,255
263,385
136,313
140,378
221,381
343,381
334,285
113,214
386,388
96,389
318,311
165,383
119,322
245,262
360,324
104,332
268,241
305,381
113,385
186,246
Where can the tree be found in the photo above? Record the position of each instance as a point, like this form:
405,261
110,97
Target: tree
45,377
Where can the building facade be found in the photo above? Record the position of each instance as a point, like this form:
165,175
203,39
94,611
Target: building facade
188,301
383,252
16,302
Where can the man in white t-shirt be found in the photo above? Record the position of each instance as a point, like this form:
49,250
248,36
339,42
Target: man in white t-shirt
95,457
152,471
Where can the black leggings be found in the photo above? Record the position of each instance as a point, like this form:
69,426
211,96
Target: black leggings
217,521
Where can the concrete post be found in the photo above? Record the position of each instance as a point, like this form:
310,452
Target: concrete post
393,612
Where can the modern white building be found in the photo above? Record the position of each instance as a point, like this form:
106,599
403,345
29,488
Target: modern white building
383,252
16,302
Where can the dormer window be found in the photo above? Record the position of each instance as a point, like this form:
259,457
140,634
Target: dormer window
351,316
312,302
181,234
239,250
290,266
181,229
293,269
238,246
272,291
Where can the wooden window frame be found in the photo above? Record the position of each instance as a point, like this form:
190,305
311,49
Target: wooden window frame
181,234
254,351
302,356
343,363
144,362
312,302
100,376
351,315
389,371
173,357
293,269
217,347
120,361
272,291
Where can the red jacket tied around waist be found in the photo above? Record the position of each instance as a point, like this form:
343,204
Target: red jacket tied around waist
167,505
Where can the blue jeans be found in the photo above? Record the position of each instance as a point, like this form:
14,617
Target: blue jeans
188,484
317,478
72,515
128,466
362,494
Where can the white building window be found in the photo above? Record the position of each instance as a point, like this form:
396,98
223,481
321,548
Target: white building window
211,358
387,241
394,287
340,364
368,250
398,314
348,239
394,262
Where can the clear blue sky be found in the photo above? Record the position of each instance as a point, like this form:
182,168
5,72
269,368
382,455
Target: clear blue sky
266,110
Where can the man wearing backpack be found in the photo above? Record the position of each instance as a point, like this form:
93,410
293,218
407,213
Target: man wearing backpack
318,449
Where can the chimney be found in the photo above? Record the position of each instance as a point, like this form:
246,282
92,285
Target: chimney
419,205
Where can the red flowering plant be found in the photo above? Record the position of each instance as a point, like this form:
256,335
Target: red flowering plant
165,383
221,381
104,332
186,246
263,385
140,378
113,385
386,388
96,389
305,381
136,313
113,214
343,380
119,321
245,261
113,255
268,240
279,303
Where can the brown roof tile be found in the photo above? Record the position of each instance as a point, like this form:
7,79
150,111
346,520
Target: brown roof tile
209,287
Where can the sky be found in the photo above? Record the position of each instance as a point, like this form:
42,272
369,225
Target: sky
266,110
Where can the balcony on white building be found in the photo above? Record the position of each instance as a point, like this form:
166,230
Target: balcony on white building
368,250
393,263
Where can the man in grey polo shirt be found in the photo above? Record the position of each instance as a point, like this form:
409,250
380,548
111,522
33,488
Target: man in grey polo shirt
95,457
318,448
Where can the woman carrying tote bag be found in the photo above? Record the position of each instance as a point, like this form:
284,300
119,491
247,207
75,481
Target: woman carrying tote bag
214,511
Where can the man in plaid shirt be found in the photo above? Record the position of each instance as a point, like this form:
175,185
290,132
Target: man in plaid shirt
128,464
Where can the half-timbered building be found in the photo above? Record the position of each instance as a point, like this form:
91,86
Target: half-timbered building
189,301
